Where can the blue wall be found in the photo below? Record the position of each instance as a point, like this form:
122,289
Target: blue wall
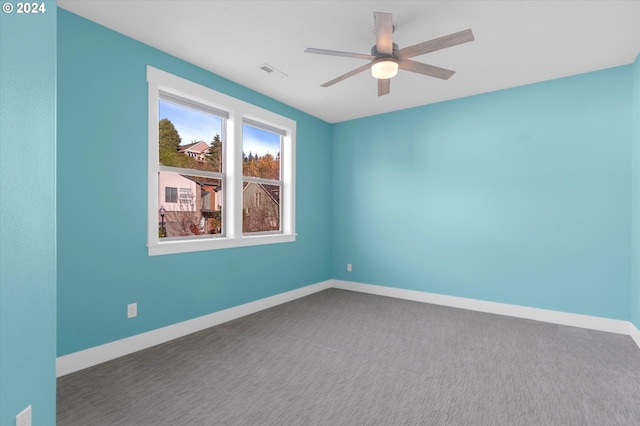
27,215
635,252
102,200
520,196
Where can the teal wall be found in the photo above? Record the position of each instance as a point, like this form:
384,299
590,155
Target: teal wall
635,197
520,196
102,200
27,215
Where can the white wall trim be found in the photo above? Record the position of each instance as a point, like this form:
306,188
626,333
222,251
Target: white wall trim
80,360
89,357
634,333
543,315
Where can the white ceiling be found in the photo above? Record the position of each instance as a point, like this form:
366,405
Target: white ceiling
516,43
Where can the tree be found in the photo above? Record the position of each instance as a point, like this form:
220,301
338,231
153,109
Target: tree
169,142
267,166
169,137
215,153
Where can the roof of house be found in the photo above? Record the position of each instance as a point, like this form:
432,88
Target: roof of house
198,147
214,183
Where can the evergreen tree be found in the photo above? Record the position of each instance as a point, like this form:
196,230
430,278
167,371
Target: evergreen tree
169,137
215,153
169,141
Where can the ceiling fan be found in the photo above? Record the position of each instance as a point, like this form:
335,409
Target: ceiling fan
386,57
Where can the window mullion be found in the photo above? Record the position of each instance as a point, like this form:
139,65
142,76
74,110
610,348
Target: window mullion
234,174
193,172
262,180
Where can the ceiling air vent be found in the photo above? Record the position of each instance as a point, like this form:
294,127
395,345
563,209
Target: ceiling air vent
271,70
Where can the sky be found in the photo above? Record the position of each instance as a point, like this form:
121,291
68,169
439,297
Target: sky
258,141
194,125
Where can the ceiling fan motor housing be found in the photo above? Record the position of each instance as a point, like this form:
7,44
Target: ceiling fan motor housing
378,55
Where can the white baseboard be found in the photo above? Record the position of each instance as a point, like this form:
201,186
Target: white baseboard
89,357
80,360
543,315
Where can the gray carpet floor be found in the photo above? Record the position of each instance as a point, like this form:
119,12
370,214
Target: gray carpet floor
345,358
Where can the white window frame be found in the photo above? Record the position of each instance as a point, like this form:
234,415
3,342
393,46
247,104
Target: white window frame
232,209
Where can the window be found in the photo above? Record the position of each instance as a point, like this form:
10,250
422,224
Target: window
221,171
261,177
170,194
185,195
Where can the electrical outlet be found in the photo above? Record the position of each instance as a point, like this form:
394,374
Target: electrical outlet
24,418
132,310
348,267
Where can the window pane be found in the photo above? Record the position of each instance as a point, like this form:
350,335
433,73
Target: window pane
260,153
197,205
189,138
260,207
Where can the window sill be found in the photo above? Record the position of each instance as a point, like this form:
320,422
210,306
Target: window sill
186,246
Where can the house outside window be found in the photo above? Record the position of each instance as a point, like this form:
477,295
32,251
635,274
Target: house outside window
222,169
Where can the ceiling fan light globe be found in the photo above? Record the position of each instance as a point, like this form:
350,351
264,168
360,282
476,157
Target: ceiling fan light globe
384,69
